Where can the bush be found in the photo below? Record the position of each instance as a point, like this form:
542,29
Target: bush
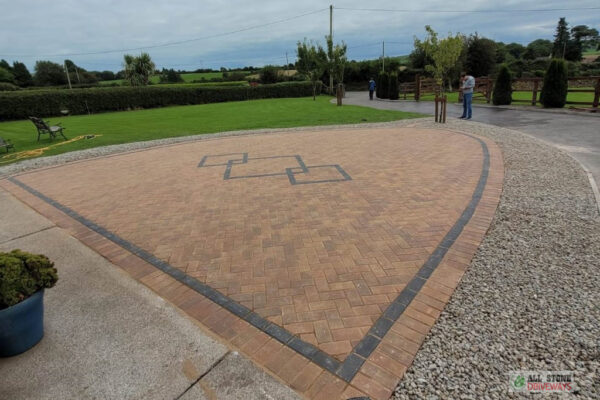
394,88
6,76
22,274
503,87
383,82
554,91
5,86
49,102
170,76
269,74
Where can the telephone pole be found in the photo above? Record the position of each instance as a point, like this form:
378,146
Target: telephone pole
383,57
331,38
287,65
67,72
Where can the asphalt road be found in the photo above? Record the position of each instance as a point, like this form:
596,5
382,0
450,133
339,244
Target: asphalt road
576,133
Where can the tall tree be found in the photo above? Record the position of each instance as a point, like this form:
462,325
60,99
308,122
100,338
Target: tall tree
588,37
481,55
561,38
21,74
138,69
6,75
336,59
444,53
4,64
48,73
312,61
515,49
78,74
538,48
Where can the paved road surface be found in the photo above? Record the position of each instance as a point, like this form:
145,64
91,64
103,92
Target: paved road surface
578,134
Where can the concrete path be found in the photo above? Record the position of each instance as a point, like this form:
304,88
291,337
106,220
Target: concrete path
109,337
576,133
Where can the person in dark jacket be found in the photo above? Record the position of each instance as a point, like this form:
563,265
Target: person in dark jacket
372,87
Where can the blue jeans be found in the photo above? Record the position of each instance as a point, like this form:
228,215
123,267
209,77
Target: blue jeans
467,100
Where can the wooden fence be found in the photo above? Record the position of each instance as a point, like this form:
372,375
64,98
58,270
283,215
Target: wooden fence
484,87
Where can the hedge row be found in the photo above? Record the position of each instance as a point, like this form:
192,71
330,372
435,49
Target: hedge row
46,103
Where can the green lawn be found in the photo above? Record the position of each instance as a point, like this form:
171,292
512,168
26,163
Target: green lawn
134,126
519,95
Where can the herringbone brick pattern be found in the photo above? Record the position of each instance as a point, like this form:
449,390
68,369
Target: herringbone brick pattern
322,260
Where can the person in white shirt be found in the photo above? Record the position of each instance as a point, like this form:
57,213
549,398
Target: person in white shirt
467,85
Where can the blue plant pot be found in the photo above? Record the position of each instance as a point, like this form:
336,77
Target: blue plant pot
22,325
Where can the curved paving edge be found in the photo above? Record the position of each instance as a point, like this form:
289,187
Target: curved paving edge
383,366
529,299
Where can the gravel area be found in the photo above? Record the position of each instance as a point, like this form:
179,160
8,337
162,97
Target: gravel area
529,301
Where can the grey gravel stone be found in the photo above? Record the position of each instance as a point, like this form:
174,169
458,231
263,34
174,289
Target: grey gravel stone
530,299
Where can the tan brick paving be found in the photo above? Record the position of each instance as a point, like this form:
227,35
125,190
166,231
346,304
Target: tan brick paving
322,260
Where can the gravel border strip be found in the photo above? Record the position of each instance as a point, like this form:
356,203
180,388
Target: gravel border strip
60,159
531,297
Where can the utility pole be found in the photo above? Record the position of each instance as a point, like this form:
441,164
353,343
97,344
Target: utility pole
331,38
287,65
383,57
67,72
77,73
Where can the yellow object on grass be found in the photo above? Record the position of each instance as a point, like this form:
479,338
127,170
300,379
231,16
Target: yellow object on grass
37,152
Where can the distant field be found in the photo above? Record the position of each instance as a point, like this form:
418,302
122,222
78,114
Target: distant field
204,84
193,76
591,53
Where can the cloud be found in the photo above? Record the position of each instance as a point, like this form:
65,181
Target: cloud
35,29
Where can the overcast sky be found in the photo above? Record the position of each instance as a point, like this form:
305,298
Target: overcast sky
31,30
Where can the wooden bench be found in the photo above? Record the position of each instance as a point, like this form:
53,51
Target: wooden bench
6,144
43,127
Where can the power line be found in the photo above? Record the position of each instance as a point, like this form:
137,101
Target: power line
434,11
170,43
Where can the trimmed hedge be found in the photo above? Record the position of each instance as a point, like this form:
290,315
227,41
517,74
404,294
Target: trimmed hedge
503,87
556,85
9,87
383,83
394,88
46,103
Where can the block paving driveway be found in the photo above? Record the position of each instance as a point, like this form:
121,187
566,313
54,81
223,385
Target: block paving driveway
324,256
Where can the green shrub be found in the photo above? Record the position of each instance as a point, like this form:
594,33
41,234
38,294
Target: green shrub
269,74
554,91
383,83
394,88
170,76
5,86
503,87
22,274
46,103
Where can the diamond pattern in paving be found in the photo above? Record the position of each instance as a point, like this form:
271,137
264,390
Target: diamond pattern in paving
317,232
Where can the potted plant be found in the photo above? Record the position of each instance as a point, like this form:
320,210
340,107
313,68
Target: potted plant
23,278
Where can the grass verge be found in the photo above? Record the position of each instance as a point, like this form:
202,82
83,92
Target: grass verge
158,123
